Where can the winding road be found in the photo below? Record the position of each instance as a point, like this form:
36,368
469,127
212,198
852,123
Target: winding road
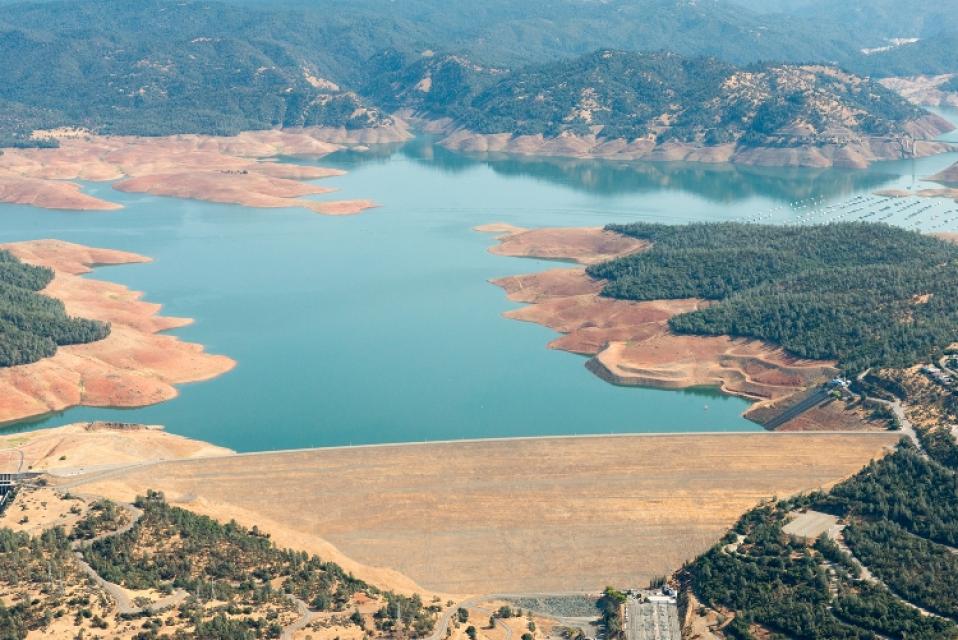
121,598
119,595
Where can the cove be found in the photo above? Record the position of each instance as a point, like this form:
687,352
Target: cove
382,327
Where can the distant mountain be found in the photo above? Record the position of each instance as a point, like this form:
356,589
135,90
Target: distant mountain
516,32
934,55
435,84
165,66
883,18
154,67
885,37
867,19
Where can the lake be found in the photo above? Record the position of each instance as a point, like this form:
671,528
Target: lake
382,327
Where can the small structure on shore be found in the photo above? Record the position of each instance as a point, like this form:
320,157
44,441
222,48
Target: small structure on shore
7,488
10,474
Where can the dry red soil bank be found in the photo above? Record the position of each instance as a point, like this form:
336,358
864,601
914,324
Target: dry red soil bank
134,366
630,342
232,170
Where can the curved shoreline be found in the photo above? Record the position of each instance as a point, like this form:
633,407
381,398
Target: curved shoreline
629,343
241,169
857,152
135,366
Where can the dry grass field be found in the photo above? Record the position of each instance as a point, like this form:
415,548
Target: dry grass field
506,516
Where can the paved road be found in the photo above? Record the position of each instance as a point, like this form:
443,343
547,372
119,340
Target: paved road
907,428
305,617
119,595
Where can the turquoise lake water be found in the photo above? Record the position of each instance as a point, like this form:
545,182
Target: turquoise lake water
382,327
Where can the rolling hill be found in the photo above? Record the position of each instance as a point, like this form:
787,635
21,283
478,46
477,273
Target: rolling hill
645,101
155,67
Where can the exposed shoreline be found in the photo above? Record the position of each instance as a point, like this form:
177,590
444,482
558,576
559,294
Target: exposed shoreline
136,365
947,178
629,343
239,169
855,152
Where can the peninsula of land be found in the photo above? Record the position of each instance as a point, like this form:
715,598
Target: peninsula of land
947,178
239,169
134,366
658,306
630,342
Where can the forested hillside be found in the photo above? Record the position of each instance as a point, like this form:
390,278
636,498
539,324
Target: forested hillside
931,56
165,66
666,96
863,294
886,37
225,582
773,582
33,325
157,67
511,33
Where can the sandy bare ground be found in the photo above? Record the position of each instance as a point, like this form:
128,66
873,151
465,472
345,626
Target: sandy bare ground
532,515
810,525
584,245
630,341
950,193
134,366
233,170
92,446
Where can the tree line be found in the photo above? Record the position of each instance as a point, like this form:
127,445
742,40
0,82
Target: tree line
782,584
32,325
212,560
867,295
